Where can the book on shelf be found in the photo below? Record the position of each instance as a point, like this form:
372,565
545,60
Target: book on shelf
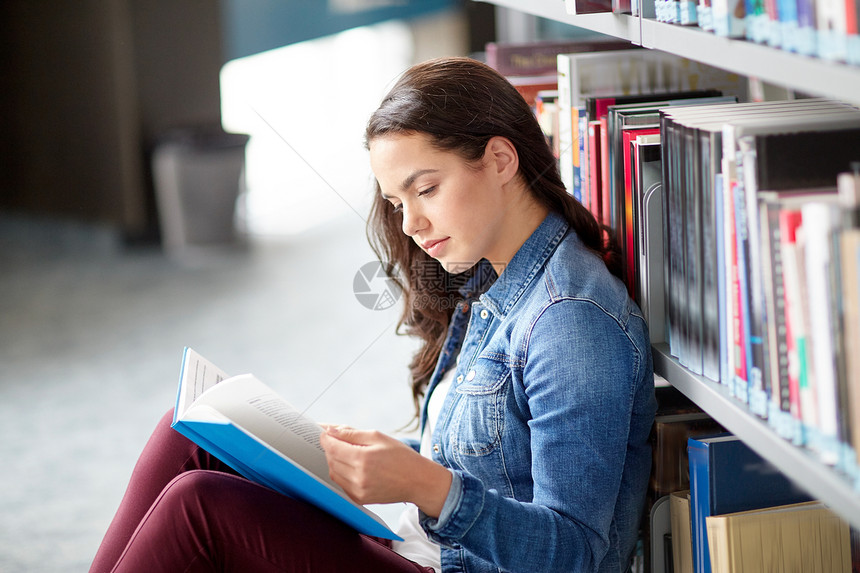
677,418
779,213
641,111
546,111
806,42
682,543
852,32
806,537
831,24
727,476
539,58
680,127
647,189
688,14
598,201
728,18
622,6
624,122
624,199
756,20
698,130
248,426
705,15
772,31
670,467
691,163
575,7
595,109
643,9
624,73
530,86
658,552
767,153
849,257
787,24
532,66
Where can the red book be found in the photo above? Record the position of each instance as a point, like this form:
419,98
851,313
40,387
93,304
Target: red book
605,199
740,365
587,6
540,58
789,221
529,86
851,9
628,136
594,173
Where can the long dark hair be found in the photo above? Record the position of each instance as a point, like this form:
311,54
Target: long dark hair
460,103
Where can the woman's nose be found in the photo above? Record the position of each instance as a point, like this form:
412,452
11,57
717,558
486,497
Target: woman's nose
413,221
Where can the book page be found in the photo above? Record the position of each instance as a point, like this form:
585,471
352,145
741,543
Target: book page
253,406
197,376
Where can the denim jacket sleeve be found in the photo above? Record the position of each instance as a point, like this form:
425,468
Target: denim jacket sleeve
584,377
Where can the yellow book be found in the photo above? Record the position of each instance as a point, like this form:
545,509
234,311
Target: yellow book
803,537
682,542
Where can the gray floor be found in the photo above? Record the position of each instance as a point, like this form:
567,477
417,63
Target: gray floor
90,340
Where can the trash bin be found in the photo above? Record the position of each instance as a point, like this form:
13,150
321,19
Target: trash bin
198,174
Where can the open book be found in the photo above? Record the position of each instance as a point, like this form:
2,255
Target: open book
248,426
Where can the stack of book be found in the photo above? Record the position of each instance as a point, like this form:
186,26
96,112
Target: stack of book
759,261
742,514
619,76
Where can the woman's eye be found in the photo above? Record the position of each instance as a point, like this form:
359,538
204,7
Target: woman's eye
397,208
426,191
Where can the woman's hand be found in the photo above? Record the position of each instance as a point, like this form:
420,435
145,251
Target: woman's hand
372,467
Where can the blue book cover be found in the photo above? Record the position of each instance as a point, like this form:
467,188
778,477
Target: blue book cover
727,476
787,10
245,424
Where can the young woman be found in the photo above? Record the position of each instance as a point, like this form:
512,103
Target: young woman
534,383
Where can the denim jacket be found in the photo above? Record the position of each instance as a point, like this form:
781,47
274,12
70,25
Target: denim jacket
545,428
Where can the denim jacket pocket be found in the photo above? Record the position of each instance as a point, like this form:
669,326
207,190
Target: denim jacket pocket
478,416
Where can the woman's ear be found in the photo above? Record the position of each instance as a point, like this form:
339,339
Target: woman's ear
501,156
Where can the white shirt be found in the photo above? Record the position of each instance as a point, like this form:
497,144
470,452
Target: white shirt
415,545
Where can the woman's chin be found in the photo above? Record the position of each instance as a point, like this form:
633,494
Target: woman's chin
455,267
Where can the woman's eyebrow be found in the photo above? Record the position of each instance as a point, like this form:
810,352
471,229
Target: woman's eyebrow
407,183
410,180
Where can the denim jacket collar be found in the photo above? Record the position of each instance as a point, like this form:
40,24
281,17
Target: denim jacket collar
526,264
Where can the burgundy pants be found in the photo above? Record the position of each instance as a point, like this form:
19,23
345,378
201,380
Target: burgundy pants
185,511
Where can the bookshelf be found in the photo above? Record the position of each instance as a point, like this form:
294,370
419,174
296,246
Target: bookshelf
798,464
802,73
805,74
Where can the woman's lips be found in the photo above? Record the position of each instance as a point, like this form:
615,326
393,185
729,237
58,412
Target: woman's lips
434,247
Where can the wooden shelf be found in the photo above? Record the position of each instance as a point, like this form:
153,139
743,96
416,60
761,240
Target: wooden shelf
806,74
798,464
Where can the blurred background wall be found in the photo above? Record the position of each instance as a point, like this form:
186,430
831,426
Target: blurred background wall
88,87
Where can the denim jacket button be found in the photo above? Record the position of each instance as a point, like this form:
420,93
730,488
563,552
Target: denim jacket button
470,376
459,379
484,314
436,448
